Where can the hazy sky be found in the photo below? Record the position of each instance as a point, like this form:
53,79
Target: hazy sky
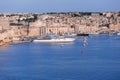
59,5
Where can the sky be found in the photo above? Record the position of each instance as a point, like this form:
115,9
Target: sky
44,6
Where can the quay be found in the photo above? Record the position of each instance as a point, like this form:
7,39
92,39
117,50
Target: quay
26,26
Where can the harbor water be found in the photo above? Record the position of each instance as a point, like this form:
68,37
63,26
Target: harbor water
97,58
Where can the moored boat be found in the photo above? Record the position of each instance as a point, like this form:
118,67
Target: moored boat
70,34
82,34
54,39
118,33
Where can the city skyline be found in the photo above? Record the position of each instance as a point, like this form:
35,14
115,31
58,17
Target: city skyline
43,6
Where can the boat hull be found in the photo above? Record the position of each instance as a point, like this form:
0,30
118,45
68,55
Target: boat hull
118,34
82,34
55,40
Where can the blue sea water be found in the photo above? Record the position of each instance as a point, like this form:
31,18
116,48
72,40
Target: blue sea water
98,60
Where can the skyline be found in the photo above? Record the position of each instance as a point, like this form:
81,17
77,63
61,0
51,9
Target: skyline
40,6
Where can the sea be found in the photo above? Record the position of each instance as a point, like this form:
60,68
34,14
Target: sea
97,58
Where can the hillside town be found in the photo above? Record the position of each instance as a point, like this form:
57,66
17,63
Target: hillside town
28,25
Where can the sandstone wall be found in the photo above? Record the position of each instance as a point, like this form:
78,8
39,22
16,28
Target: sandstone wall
5,37
115,27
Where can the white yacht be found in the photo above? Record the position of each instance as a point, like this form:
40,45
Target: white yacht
16,39
70,34
54,39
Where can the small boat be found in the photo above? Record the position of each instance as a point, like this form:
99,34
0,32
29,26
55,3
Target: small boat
93,33
54,39
118,33
70,34
16,39
82,34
